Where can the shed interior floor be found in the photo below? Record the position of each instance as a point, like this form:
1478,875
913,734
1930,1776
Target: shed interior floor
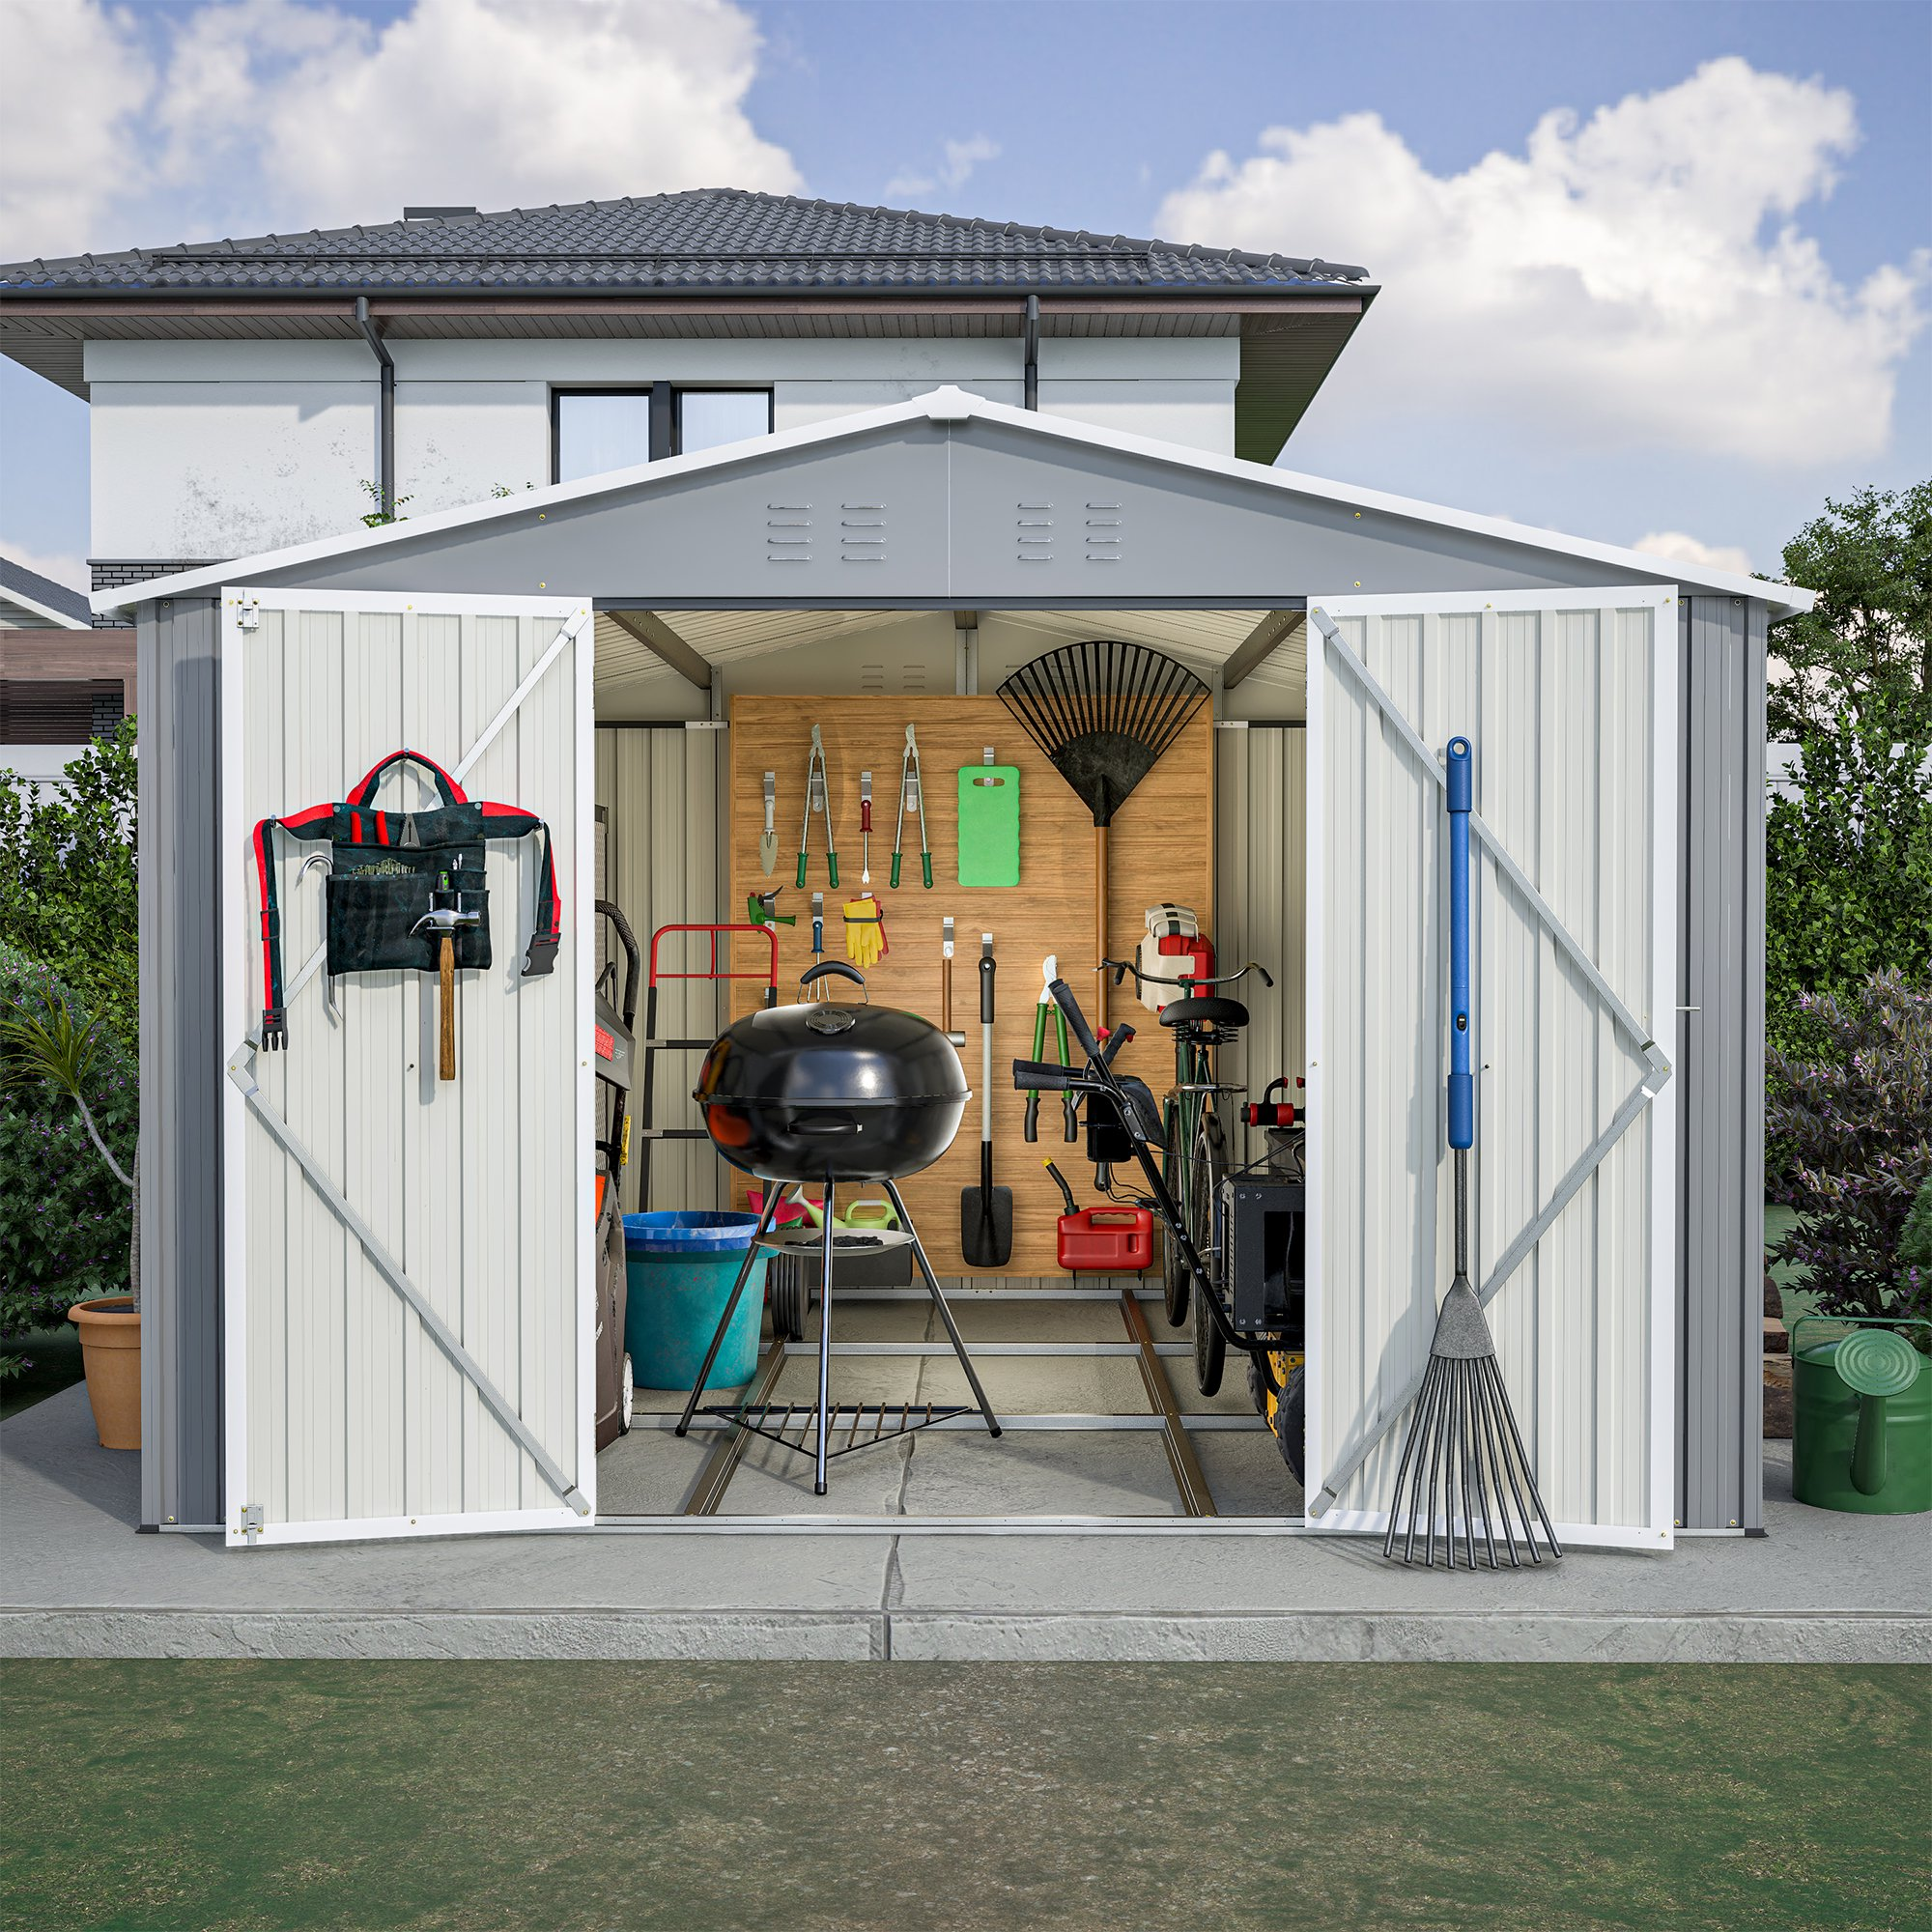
956,1470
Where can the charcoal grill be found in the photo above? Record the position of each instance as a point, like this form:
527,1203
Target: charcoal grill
826,1092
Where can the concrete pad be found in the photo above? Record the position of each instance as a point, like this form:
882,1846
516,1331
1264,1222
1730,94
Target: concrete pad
1245,1473
1053,1385
649,1472
963,1471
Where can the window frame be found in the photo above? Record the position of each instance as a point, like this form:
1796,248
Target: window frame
666,411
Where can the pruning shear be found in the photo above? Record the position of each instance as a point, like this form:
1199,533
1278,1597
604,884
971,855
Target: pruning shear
911,797
1049,972
815,800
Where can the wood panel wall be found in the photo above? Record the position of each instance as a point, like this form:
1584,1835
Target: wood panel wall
1161,847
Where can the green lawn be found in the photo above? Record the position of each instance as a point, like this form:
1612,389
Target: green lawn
1064,1796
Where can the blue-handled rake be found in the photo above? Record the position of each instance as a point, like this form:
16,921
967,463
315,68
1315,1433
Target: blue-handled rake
1464,1459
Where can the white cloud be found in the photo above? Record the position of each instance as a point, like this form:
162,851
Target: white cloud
240,116
1634,280
61,566
958,159
1681,547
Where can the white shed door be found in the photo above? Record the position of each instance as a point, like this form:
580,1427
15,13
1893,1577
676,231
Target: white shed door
408,1291
1571,703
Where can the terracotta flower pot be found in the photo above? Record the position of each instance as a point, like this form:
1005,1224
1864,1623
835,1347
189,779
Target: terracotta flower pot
110,1350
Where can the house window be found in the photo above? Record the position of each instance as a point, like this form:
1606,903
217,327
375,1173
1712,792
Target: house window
707,417
595,430
598,429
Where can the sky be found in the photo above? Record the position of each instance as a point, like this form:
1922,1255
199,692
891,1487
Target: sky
1653,273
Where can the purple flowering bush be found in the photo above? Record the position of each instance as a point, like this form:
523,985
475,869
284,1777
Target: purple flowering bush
64,1221
1853,1121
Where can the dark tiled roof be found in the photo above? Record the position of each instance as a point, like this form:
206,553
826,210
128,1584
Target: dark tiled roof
18,580
705,238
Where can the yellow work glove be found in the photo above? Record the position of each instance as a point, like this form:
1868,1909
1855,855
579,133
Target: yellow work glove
864,931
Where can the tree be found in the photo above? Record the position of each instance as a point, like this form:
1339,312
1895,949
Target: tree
1866,648
68,879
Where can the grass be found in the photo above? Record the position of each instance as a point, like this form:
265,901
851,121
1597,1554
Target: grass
377,1795
55,1357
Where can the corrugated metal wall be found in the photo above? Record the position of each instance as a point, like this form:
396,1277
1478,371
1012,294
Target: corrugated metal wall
659,789
182,1056
1720,1153
1559,706
352,1410
1261,905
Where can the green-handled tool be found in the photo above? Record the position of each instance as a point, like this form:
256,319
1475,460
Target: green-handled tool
912,796
817,799
761,909
1049,972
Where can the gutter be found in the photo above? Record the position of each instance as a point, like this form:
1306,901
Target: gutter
386,431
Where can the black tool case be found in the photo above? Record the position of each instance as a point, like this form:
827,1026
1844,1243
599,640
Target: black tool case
1261,1237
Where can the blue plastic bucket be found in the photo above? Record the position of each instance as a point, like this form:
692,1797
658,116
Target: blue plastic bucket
679,1266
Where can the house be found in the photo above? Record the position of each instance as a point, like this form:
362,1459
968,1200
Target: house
62,682
681,479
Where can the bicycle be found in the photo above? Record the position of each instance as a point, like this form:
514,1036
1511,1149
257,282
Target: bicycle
1195,1145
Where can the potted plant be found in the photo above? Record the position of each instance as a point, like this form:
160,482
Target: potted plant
53,1043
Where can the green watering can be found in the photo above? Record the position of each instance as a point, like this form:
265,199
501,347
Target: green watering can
1863,1426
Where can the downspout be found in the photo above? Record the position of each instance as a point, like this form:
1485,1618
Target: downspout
1033,351
385,434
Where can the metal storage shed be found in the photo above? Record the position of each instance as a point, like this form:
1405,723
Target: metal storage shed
1620,718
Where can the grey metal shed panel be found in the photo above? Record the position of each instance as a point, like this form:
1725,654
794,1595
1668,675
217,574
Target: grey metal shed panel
986,514
178,652
1720,1153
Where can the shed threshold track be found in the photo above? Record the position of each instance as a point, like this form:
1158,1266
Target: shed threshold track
702,1508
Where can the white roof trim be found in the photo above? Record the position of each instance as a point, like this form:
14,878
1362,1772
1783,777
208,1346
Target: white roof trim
57,621
951,404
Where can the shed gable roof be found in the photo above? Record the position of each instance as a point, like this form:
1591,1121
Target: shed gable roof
965,501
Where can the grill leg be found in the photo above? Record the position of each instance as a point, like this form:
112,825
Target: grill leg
824,1342
730,1307
945,1313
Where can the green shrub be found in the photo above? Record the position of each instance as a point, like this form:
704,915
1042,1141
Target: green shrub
1856,1119
64,1221
67,877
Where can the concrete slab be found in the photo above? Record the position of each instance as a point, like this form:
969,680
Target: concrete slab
78,1582
959,1473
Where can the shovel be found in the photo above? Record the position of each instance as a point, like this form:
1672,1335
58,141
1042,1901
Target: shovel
986,1211
768,841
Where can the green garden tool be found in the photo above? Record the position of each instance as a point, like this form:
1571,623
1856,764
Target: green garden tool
816,799
1049,972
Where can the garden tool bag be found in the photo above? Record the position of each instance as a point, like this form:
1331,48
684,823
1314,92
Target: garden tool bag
388,870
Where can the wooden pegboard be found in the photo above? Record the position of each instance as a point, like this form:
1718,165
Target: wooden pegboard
1161,847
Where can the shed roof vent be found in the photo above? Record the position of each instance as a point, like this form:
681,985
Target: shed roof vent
434,214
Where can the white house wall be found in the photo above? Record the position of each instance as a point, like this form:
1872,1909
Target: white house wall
220,449
1559,705
349,1411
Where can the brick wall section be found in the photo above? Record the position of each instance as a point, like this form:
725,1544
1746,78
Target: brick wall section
110,574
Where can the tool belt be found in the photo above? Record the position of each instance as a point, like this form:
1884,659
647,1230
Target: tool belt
388,869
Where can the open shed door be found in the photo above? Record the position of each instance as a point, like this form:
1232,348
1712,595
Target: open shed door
1570,700
408,1290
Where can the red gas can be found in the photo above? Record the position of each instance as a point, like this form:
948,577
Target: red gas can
1106,1240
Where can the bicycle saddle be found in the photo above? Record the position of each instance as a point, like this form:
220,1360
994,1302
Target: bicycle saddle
1204,1009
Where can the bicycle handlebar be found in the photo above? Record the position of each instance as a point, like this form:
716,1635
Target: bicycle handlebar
1122,967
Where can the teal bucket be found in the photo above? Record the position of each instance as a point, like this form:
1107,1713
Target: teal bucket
679,1266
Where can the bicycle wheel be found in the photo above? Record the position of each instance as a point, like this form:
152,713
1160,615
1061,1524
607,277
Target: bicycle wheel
1172,1267
1204,1177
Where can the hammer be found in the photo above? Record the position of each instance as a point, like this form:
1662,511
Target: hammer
762,909
444,923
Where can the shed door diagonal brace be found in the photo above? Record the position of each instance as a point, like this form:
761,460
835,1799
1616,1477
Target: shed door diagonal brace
573,627
241,1071
1657,1067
